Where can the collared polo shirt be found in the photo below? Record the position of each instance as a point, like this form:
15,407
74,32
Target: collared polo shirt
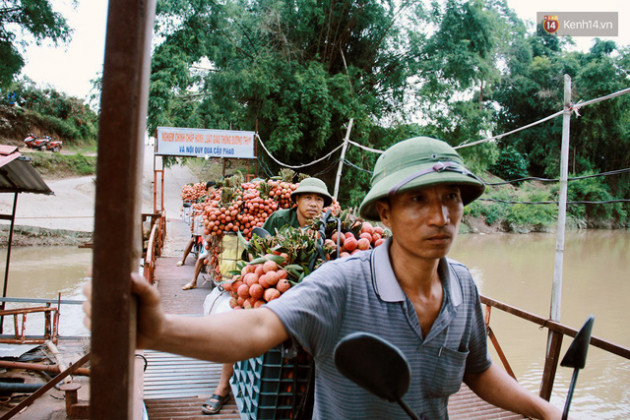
361,293
281,218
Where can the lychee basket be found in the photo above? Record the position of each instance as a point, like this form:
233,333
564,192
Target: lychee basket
275,385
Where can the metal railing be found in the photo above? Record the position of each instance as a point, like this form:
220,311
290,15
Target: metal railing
154,244
51,319
556,330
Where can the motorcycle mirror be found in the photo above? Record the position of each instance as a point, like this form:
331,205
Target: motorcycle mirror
376,365
260,232
575,358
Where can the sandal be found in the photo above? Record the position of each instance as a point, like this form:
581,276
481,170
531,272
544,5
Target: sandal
214,404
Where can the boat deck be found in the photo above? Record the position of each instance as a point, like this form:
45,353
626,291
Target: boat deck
176,387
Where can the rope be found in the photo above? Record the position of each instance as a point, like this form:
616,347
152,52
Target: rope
296,166
621,200
577,178
574,107
601,98
474,143
369,149
265,168
347,162
328,168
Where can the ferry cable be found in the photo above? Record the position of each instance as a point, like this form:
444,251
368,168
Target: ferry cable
574,108
328,168
347,162
620,200
576,178
297,166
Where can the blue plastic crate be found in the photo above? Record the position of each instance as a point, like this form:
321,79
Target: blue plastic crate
272,386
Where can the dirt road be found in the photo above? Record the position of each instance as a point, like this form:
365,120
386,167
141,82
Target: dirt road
72,205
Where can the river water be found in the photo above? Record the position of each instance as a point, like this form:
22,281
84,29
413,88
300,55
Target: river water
518,270
514,269
44,273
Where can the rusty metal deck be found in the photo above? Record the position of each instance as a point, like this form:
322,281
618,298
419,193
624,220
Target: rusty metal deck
175,387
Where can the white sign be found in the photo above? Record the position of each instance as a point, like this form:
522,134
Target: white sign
198,142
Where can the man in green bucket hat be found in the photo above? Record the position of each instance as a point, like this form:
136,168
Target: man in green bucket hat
418,163
310,197
405,291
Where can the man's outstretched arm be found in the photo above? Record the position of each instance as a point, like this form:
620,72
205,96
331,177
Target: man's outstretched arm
226,337
498,388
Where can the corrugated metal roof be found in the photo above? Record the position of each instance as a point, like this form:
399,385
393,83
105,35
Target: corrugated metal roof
17,175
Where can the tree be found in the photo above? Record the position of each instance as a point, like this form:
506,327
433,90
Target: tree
459,66
37,18
300,70
296,70
532,88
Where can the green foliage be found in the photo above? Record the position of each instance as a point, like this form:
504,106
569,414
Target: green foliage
532,88
510,165
52,112
509,209
298,72
57,165
494,212
537,217
595,215
35,17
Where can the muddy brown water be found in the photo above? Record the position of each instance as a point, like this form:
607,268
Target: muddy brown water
518,270
515,269
44,273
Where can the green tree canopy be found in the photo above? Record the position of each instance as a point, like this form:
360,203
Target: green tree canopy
34,16
532,88
457,70
299,70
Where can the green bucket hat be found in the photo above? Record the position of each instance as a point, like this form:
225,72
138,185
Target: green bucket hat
414,163
313,185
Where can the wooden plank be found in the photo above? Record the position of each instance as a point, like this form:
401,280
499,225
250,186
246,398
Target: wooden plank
465,404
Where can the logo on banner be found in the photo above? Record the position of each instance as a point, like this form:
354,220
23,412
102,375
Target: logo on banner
551,24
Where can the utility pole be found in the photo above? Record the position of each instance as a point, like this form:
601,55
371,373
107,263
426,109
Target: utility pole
554,339
342,157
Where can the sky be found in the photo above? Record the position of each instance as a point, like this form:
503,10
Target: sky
69,69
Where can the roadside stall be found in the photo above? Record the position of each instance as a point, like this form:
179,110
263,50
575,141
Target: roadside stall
16,176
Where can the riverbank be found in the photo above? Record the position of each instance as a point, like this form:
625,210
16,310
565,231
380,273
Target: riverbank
67,217
29,236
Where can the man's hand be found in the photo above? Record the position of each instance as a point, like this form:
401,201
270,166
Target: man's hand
87,305
151,318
